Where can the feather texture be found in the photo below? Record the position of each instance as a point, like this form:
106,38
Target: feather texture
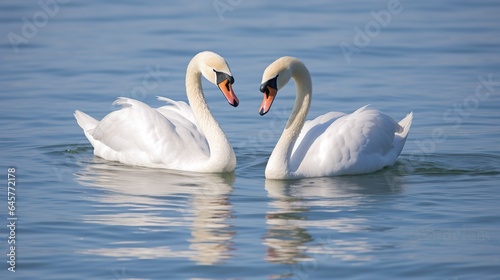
175,136
334,143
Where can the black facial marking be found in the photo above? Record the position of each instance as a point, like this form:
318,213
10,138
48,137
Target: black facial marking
273,83
221,76
263,88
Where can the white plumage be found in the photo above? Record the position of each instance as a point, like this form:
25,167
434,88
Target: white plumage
176,136
334,143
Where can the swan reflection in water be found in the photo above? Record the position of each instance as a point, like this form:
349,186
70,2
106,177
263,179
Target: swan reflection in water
289,224
156,201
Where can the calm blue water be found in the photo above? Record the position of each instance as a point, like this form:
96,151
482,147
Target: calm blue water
434,215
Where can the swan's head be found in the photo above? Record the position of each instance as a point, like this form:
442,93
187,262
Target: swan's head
276,76
215,69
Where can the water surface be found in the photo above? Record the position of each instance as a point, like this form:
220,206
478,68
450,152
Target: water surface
434,215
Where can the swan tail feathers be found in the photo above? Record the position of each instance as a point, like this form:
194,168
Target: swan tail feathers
405,125
168,100
85,121
178,107
124,102
177,104
361,109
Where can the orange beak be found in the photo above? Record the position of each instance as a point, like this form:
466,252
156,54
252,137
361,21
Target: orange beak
269,96
227,89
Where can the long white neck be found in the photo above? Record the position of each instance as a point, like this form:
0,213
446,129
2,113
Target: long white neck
222,157
278,165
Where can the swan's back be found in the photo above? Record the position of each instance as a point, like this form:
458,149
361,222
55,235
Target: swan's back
140,135
337,144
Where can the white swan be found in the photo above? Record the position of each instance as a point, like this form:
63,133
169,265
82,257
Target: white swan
177,136
332,144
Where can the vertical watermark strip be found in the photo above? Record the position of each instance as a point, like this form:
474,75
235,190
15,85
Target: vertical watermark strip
12,218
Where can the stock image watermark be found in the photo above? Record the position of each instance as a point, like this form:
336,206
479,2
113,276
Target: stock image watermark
73,155
462,233
151,80
223,6
323,252
455,116
470,103
372,28
11,218
120,274
30,27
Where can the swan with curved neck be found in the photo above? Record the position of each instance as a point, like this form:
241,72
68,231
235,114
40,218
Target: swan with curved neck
177,136
332,144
